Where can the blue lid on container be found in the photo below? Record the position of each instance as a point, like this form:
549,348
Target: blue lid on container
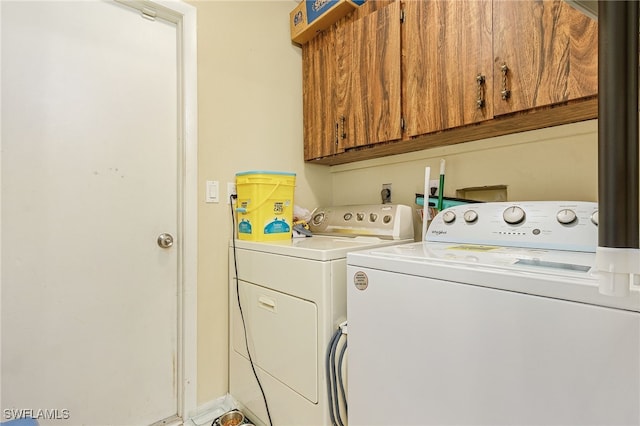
264,172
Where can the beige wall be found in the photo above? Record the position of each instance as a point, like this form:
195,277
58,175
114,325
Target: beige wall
250,118
557,163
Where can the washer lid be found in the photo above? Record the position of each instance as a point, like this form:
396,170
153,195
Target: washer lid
534,260
552,273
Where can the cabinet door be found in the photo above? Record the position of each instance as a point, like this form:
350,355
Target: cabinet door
550,51
318,96
372,113
446,47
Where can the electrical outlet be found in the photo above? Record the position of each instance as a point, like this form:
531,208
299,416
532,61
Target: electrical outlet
385,194
231,190
434,187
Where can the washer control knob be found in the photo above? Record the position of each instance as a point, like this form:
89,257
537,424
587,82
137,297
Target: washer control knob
513,215
448,216
566,216
470,216
594,218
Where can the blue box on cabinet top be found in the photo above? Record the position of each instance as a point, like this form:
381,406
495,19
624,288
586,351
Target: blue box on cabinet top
312,16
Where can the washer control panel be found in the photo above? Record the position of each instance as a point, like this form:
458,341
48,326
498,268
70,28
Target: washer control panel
385,221
559,225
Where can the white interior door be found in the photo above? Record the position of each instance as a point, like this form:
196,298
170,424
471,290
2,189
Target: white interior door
90,179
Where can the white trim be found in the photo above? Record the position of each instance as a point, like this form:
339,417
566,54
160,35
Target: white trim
184,16
190,246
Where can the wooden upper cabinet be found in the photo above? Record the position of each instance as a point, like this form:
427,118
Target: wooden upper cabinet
453,71
372,79
342,105
447,64
545,52
319,76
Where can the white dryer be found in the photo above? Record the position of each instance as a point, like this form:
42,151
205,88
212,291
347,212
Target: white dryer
495,319
293,297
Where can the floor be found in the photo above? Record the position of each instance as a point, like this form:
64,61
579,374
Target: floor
209,412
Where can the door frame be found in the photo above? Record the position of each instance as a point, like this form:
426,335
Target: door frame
183,16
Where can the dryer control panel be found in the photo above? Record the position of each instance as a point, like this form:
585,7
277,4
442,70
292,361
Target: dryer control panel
384,221
556,225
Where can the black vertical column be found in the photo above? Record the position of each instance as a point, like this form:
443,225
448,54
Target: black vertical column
618,124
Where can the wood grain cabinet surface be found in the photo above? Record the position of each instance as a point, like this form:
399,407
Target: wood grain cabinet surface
399,76
447,66
320,75
351,82
549,50
374,114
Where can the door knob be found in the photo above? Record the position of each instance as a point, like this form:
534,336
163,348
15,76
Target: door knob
165,240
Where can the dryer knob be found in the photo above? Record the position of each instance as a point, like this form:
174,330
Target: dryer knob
318,218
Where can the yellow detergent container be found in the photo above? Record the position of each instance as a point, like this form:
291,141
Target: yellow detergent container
265,205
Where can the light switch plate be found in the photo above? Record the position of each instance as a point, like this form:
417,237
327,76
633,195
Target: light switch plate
212,194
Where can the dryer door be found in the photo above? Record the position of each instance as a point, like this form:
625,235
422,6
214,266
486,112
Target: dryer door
282,335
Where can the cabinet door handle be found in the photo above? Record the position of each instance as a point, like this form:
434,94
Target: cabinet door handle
480,95
505,93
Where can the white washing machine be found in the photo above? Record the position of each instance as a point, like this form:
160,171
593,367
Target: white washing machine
495,319
293,297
